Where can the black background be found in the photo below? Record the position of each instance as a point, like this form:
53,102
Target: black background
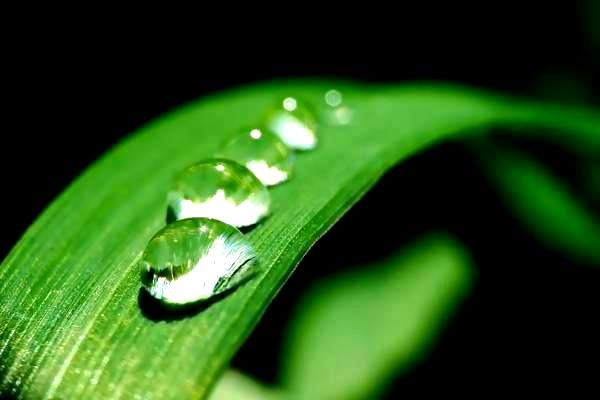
528,326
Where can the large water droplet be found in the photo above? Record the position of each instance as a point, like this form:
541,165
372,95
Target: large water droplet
219,189
295,123
263,153
194,259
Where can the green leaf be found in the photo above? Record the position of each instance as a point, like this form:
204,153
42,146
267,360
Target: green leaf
233,385
71,324
358,330
545,205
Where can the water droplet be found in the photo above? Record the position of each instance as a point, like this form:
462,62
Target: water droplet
333,98
290,103
343,115
295,123
195,259
263,153
219,189
338,113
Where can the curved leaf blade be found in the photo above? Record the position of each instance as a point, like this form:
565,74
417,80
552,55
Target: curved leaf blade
71,324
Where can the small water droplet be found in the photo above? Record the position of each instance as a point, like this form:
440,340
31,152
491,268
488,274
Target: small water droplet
208,258
343,115
263,153
290,103
255,134
338,113
295,123
219,189
333,98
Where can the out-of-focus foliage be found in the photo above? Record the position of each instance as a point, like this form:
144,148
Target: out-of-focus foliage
354,332
235,386
544,204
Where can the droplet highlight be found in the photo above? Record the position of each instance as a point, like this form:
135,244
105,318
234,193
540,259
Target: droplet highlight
195,259
218,189
263,153
295,123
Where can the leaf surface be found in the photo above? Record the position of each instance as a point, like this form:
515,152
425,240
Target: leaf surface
71,323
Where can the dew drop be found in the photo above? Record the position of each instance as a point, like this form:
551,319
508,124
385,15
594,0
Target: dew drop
294,122
263,153
333,98
219,189
338,112
195,259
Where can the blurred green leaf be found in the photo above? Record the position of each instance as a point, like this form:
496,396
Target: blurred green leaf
234,385
355,331
545,205
71,326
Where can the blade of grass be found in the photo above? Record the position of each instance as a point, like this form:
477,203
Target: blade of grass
71,324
